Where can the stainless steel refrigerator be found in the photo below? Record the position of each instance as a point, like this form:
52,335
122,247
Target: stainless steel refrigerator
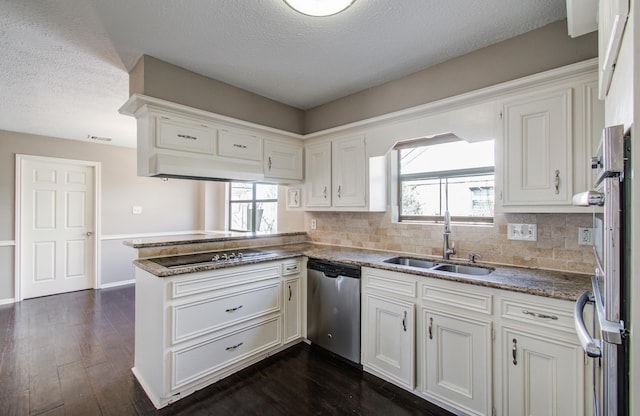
606,343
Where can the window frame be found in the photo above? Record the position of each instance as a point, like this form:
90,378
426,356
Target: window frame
443,176
253,201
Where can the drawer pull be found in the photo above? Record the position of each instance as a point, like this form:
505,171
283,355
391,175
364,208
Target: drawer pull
514,351
291,268
186,136
233,347
540,315
240,146
233,309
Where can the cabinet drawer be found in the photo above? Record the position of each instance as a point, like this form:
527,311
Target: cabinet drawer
185,135
390,282
291,267
232,276
239,145
541,314
441,296
198,318
205,358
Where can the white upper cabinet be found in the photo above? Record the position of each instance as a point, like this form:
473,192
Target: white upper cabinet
548,138
538,149
612,19
282,160
339,177
318,175
348,172
239,144
175,133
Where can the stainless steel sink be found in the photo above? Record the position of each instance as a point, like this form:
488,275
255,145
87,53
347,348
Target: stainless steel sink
408,261
461,269
439,267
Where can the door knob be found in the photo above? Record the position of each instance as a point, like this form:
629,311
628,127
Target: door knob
89,233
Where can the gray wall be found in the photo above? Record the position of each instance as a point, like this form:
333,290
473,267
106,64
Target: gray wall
536,51
160,79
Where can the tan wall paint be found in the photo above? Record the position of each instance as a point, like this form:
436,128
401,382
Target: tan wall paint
556,249
536,51
172,83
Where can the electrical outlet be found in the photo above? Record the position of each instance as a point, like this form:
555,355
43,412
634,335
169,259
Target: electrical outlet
136,209
585,236
314,224
524,232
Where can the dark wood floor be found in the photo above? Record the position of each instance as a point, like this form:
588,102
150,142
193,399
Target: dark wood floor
72,354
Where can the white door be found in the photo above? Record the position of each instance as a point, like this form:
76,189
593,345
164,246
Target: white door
57,223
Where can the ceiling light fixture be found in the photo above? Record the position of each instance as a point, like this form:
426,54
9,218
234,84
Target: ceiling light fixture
319,7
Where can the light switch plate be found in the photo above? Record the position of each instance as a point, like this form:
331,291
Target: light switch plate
524,232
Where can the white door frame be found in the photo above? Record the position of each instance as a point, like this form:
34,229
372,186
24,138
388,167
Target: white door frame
20,159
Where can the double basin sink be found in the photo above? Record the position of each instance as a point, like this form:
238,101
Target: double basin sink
460,269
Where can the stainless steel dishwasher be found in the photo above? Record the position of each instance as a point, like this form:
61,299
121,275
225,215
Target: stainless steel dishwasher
333,307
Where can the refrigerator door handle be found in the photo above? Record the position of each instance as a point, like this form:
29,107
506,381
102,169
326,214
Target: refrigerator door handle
589,345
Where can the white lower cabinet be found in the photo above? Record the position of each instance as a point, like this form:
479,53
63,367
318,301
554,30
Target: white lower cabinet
292,310
541,375
457,361
475,350
193,329
390,339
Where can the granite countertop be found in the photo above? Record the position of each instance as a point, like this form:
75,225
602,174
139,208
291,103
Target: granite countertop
553,284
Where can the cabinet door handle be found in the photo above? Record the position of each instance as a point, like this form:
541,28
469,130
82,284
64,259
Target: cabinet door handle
290,293
540,315
404,321
269,163
557,181
324,192
186,136
234,347
430,328
514,351
339,191
233,309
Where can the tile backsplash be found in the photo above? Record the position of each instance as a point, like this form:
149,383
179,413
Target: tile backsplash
557,246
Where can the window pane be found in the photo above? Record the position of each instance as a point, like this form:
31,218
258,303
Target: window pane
267,216
446,156
421,197
471,196
240,216
265,191
241,191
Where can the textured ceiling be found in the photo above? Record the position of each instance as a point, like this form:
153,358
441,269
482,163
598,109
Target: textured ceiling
64,65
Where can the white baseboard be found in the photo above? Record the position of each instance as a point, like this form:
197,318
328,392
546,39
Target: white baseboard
116,284
7,301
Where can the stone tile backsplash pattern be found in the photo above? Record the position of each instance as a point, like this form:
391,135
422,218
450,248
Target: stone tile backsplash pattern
557,247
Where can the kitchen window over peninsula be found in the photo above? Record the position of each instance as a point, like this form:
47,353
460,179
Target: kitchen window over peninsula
446,173
253,207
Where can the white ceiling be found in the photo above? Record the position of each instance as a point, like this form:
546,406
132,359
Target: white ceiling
64,66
